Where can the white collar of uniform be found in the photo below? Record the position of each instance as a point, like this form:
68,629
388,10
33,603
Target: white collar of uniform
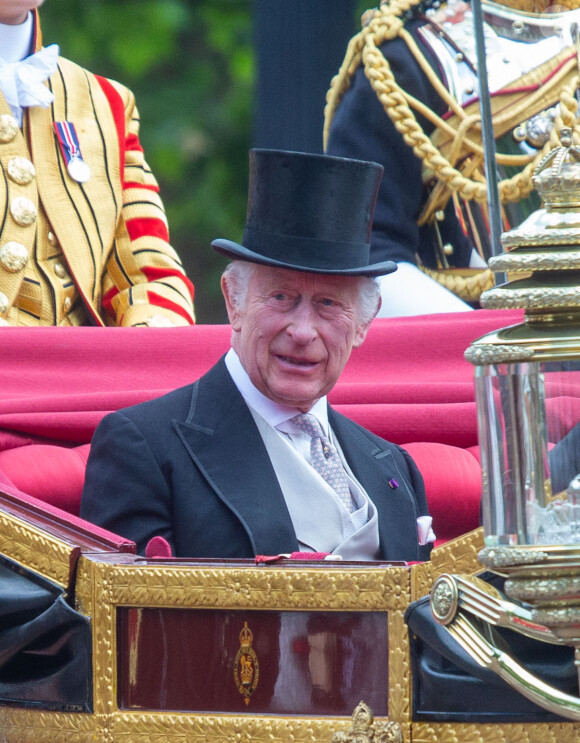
274,413
15,41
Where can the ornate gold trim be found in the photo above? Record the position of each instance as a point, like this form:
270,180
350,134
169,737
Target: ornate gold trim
365,728
35,726
502,557
536,589
485,354
399,691
498,299
358,589
104,641
32,726
554,732
35,549
536,261
144,728
459,555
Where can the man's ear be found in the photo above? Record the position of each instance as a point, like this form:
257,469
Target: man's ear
360,334
232,310
361,330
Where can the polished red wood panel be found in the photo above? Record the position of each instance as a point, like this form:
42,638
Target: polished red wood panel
300,663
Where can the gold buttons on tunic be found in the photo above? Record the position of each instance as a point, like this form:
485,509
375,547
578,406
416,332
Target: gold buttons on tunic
4,304
67,305
8,128
52,238
23,211
21,170
13,256
60,270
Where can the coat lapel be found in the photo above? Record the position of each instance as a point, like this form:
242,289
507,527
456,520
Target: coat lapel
223,441
374,466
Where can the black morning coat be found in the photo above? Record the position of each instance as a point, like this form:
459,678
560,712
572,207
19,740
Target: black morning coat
191,467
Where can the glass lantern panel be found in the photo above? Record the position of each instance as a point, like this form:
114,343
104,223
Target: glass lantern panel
529,435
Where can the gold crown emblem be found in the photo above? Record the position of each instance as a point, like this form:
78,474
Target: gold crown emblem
247,669
246,636
557,177
246,665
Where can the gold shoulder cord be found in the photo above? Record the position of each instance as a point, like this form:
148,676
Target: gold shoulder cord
461,169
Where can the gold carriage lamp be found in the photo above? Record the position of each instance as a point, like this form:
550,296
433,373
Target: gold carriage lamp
528,403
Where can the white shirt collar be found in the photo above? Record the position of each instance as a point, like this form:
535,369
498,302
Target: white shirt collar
273,412
16,41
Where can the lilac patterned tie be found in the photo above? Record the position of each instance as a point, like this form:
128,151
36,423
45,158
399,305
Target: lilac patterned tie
325,459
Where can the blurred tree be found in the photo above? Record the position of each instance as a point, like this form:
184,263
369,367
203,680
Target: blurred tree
190,64
192,67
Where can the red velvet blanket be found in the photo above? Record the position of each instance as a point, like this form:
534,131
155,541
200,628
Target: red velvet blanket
409,382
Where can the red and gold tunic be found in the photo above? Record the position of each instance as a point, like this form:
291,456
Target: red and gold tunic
76,253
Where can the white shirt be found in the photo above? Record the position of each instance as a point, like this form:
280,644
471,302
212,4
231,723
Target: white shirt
16,41
278,417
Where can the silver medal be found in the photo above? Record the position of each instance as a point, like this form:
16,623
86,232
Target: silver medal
78,169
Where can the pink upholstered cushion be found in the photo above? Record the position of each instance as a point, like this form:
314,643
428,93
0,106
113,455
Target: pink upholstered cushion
453,485
53,474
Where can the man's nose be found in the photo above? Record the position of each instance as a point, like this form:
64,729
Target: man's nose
302,326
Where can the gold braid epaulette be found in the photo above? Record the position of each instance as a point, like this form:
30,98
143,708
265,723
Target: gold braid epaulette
465,178
462,170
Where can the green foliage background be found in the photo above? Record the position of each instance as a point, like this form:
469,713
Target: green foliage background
191,65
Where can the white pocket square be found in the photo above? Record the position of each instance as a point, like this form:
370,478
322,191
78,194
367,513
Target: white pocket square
424,530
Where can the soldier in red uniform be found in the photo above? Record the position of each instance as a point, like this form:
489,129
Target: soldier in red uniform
83,237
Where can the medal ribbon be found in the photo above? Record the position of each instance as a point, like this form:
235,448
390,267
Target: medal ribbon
68,140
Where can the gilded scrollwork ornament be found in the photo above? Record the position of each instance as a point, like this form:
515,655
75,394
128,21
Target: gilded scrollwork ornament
365,729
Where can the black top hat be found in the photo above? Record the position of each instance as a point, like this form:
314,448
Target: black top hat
309,213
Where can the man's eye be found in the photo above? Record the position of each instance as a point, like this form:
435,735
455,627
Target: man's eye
280,297
327,302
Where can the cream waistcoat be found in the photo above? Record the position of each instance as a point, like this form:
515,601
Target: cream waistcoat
320,523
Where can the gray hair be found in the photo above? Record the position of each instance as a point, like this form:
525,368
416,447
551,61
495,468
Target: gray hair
238,273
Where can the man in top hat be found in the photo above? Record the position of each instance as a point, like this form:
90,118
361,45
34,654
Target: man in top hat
250,459
83,236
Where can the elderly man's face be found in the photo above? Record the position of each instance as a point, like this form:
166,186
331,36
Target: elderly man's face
295,332
13,12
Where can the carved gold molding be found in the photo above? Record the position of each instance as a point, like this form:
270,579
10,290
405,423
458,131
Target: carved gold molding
553,297
459,555
399,690
145,728
531,238
35,726
35,549
29,726
543,589
104,643
568,260
429,732
364,728
364,589
490,353
500,557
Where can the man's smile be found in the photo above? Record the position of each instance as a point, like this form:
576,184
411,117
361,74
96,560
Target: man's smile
296,362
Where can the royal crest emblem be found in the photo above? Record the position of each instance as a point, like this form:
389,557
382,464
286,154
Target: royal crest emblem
246,665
